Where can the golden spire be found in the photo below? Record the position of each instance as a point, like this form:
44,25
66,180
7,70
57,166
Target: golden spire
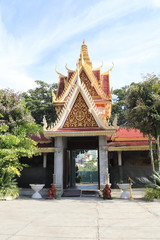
84,57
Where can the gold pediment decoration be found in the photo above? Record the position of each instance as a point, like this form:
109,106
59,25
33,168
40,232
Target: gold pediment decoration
79,115
87,82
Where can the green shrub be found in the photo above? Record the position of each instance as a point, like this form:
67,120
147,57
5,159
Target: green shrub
152,194
153,183
9,192
8,184
78,179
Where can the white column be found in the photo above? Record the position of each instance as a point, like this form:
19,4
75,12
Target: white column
103,161
44,160
120,165
119,158
58,161
60,144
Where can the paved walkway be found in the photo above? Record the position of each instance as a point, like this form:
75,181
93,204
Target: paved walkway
79,218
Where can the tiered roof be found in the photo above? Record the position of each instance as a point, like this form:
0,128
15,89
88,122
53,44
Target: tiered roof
83,100
128,140
123,140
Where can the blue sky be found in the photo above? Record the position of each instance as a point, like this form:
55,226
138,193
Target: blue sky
37,35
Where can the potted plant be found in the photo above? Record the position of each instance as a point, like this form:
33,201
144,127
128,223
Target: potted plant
125,187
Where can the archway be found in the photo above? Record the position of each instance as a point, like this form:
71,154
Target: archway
81,165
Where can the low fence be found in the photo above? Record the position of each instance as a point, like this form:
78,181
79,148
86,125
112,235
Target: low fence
118,174
88,176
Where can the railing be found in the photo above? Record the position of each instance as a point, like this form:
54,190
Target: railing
88,176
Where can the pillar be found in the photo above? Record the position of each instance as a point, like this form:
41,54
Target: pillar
103,162
44,160
60,144
119,158
120,165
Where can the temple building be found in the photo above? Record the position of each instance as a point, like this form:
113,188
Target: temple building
83,105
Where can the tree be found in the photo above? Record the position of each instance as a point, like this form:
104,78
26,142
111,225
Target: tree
16,125
39,102
143,109
118,106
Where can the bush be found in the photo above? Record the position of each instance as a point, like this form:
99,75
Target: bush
152,194
9,192
8,184
153,182
78,179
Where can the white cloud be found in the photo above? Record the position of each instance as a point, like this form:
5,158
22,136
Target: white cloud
103,24
155,3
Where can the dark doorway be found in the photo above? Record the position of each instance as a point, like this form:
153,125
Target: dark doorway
81,166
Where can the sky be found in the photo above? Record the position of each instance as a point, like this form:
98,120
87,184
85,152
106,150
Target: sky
38,35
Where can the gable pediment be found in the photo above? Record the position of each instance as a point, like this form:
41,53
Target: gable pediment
79,111
83,102
84,78
80,115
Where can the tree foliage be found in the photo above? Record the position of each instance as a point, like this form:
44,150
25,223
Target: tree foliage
16,125
90,165
143,107
39,102
119,106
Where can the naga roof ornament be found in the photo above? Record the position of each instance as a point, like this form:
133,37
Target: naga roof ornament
69,70
109,70
60,74
98,68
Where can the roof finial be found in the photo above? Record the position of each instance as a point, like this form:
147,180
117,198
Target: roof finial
69,70
110,69
100,67
60,74
84,56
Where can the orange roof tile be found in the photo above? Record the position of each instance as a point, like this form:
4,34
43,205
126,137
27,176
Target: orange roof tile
129,134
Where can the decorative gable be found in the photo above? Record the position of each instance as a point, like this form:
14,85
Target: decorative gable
80,115
87,82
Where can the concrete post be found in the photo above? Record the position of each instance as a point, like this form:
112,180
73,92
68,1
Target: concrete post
44,160
120,165
58,162
119,158
103,162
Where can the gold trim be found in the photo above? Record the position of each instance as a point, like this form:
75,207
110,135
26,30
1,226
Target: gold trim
71,98
128,148
45,150
95,83
82,133
118,139
70,84
48,141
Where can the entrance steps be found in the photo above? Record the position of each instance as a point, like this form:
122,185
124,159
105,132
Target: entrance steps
71,193
90,193
80,193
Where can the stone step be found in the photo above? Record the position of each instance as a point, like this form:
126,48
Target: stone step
71,193
90,193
